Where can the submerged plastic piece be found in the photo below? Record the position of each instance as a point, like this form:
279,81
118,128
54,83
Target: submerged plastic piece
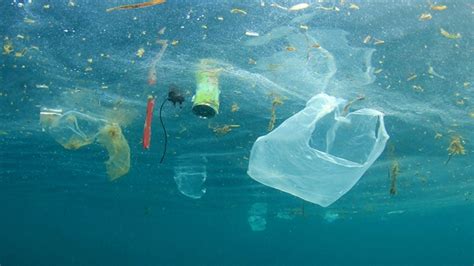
190,180
257,218
74,130
148,120
119,152
317,154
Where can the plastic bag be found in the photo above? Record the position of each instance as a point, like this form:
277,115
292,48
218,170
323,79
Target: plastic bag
74,130
257,216
319,154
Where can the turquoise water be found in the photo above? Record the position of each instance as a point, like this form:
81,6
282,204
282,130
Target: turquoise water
199,206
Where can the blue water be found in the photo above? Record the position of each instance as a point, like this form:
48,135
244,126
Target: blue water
58,207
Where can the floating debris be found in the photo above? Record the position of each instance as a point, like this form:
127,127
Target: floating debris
438,135
252,34
234,108
140,52
456,147
367,39
174,42
378,42
354,6
42,86
298,7
277,100
290,48
252,61
412,77
21,53
393,174
377,71
162,31
238,11
223,130
28,21
450,35
433,73
134,6
304,27
438,7
425,17
278,6
7,46
152,71
418,88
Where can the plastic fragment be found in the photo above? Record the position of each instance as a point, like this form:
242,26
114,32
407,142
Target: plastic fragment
252,34
450,35
425,17
238,11
134,6
439,7
148,119
298,7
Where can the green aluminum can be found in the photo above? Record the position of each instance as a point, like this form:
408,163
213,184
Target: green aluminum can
206,99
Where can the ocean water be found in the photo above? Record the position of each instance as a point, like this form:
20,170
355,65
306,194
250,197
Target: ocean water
86,69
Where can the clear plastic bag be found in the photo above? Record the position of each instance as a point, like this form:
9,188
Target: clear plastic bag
74,130
319,153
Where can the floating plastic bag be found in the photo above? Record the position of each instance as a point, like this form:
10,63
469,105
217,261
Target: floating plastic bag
319,153
190,180
257,218
74,130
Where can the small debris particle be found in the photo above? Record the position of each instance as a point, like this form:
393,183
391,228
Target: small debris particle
174,42
46,6
162,31
377,71
439,7
290,48
438,135
425,17
238,11
234,108
412,77
354,6
418,88
466,84
298,7
252,34
28,21
21,53
140,52
316,45
378,42
252,61
7,46
304,27
90,60
42,86
220,18
450,35
278,6
204,26
367,39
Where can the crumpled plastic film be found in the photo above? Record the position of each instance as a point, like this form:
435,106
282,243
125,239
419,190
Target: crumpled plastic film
74,130
321,152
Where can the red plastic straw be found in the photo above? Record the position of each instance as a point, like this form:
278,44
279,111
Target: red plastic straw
149,116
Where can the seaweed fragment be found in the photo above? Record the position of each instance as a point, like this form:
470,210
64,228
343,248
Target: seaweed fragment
456,147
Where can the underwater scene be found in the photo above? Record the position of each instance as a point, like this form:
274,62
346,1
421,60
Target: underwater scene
255,132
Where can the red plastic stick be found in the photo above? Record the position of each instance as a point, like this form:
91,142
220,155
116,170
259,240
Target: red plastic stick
149,115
